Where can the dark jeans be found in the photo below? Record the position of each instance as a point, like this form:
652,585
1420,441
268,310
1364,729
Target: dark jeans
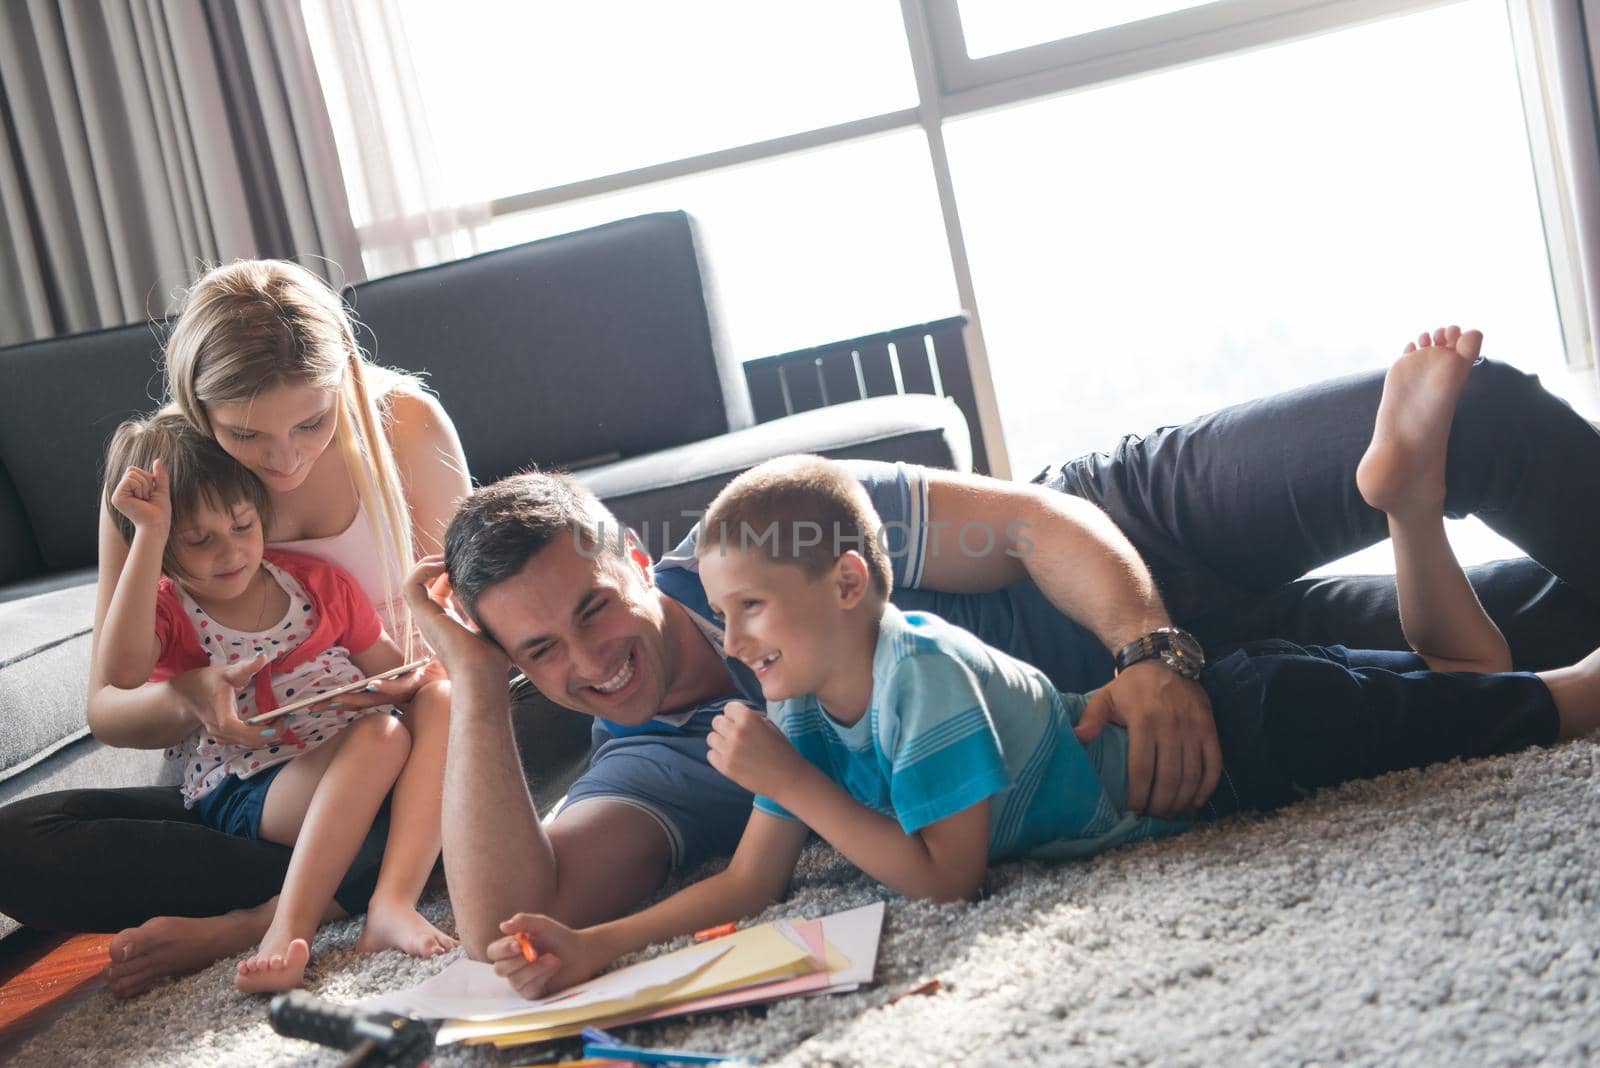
1230,510
102,860
1293,719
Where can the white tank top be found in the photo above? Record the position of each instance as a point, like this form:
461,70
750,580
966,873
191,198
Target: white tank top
356,550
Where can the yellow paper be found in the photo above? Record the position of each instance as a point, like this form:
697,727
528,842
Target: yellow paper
836,961
754,955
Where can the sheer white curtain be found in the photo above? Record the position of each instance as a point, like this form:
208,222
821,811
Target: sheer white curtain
406,214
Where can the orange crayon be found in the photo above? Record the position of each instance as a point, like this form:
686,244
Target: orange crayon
529,954
715,932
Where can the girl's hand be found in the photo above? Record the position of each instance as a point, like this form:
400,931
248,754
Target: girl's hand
564,956
399,690
144,497
210,698
749,748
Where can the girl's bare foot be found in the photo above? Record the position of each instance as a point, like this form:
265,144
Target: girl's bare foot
396,925
272,973
1403,469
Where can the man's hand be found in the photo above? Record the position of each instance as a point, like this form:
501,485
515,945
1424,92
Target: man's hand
462,652
749,748
564,956
1173,757
145,499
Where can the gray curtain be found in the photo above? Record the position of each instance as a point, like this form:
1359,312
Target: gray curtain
143,139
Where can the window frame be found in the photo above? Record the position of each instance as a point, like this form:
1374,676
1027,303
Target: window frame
949,84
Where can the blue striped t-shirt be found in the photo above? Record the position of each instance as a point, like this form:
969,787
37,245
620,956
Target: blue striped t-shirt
952,722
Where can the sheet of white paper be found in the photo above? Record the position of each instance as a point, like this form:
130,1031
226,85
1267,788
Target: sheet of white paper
470,990
855,934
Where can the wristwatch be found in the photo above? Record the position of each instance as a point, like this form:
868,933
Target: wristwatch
1176,647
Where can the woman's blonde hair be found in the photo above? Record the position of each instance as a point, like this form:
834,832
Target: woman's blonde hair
254,325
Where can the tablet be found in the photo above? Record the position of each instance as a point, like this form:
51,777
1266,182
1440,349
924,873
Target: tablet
349,687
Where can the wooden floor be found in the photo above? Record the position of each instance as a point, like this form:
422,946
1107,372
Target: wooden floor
41,973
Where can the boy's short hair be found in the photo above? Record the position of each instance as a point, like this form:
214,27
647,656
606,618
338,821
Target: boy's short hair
498,528
198,472
801,510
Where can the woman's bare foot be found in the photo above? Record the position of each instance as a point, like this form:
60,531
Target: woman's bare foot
1403,469
395,925
175,945
272,973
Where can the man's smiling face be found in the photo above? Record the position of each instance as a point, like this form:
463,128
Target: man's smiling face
587,627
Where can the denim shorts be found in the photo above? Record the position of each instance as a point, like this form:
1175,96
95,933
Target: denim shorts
234,807
663,772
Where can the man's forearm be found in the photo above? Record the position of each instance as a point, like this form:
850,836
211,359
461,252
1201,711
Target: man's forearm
497,857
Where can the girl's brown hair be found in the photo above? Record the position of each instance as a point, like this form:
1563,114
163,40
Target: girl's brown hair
199,473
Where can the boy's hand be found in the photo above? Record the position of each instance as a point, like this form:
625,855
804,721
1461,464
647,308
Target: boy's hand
1173,757
144,497
564,956
749,748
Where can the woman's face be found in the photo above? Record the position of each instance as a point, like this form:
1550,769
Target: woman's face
279,433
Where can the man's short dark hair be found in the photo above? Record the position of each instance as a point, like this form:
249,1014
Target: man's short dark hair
500,527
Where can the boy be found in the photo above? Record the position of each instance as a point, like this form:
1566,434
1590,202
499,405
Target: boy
921,754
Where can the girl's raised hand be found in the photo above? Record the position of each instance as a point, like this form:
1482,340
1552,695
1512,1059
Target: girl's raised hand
144,497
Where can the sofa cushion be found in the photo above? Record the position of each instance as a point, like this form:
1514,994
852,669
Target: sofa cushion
561,351
659,495
62,399
44,668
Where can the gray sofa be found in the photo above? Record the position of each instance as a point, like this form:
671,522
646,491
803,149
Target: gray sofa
596,350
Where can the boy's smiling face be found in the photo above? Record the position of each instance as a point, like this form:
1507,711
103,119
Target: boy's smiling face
778,620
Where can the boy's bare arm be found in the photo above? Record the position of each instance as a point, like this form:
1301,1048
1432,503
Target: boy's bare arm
944,861
757,876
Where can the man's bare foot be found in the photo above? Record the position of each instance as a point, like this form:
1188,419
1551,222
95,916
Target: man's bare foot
394,925
272,973
1403,469
175,945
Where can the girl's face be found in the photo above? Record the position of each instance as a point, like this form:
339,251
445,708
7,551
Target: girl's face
279,433
219,549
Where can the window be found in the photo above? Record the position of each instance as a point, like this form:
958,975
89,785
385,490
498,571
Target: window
1154,207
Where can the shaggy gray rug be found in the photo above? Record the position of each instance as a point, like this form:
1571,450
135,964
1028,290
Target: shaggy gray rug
1444,917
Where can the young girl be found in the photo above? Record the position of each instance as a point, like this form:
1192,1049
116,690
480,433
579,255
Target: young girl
199,589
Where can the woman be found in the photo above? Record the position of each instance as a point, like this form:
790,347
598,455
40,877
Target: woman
363,468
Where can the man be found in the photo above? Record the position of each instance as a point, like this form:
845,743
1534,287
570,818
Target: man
1228,510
